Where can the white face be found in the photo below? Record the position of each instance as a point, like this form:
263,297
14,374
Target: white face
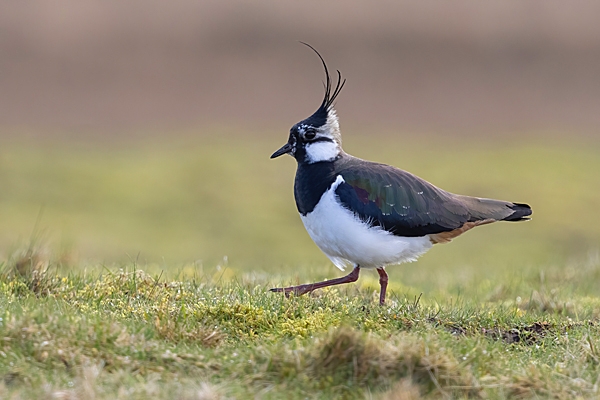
321,151
324,143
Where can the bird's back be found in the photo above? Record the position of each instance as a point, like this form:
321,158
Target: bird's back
409,206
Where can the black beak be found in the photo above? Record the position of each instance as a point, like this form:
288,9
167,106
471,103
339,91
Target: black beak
287,148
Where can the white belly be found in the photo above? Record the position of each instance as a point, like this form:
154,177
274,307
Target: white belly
345,239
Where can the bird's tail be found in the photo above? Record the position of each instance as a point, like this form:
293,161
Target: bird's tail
482,212
521,212
496,210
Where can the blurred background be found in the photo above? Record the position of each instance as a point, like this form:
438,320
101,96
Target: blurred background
141,130
420,65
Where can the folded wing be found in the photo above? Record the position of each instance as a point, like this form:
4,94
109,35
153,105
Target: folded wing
409,206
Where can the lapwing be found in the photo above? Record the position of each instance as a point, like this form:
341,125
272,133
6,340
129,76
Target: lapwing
369,215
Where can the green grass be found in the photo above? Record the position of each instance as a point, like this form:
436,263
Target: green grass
129,335
507,310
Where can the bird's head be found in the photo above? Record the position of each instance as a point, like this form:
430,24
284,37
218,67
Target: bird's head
318,137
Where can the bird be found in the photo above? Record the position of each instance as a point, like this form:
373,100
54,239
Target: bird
370,215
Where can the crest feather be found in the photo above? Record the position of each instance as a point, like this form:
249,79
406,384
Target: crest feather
330,92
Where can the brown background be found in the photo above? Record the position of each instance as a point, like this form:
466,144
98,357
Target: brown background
112,65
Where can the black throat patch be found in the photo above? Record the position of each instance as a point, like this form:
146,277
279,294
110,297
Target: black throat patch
312,180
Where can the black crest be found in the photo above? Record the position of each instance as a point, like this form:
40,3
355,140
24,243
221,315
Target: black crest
320,116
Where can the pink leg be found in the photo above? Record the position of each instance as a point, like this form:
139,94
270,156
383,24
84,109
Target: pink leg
309,287
383,281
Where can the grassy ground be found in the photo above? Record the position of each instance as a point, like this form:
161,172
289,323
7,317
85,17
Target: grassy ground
508,310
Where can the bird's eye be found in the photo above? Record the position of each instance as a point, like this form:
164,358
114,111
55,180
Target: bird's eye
310,135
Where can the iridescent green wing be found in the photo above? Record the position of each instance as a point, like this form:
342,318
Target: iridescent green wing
398,201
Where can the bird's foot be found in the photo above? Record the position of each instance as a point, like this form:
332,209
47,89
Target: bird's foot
296,290
309,287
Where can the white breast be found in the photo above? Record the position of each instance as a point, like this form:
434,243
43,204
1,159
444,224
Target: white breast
345,239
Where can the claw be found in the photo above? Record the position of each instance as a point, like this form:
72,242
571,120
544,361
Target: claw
285,291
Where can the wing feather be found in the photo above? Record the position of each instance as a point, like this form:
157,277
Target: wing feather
398,201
